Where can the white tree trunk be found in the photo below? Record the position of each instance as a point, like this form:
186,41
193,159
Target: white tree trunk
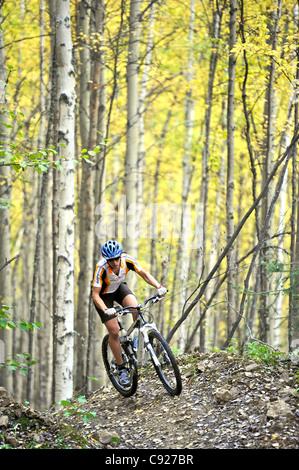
205,177
85,206
278,316
66,97
186,183
5,192
230,164
268,162
98,330
131,173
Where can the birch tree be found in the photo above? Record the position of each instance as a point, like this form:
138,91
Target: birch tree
183,254
66,100
131,174
85,208
96,328
293,323
268,159
294,314
204,187
45,343
5,200
230,161
92,131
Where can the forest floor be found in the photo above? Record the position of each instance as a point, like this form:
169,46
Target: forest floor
227,402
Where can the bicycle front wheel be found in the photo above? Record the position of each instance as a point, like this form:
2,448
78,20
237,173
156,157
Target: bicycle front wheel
168,369
111,368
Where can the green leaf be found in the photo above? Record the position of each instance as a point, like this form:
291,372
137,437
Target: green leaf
82,399
87,416
43,168
87,159
65,402
23,327
23,355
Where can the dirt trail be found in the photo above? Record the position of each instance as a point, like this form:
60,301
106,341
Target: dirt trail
226,403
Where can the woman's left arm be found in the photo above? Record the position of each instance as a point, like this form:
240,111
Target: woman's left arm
149,278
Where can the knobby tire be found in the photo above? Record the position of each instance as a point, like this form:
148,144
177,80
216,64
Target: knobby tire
168,371
110,365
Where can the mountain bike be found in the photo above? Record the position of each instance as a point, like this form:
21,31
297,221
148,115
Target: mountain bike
151,348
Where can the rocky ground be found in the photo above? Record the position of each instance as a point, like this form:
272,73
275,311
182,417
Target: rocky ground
227,402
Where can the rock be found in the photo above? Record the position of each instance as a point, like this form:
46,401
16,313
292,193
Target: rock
11,440
189,373
279,408
224,395
284,377
6,401
106,438
287,391
18,412
38,438
201,366
252,367
31,413
3,393
4,421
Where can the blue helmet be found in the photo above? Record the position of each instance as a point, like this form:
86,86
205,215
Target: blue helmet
111,249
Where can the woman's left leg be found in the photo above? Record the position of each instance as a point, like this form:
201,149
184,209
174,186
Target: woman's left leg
130,300
125,297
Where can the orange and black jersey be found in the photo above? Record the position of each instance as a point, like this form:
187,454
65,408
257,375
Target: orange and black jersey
105,278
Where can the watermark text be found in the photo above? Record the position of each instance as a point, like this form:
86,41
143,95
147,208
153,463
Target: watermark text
152,221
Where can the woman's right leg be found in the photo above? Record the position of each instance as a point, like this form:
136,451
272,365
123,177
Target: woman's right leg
113,330
112,327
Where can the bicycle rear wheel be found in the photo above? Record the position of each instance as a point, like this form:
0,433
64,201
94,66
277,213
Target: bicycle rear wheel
111,368
168,370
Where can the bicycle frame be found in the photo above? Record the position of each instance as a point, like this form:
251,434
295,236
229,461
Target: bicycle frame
144,328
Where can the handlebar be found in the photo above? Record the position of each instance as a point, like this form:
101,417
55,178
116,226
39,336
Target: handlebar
125,310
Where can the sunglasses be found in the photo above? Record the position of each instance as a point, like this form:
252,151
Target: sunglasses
114,259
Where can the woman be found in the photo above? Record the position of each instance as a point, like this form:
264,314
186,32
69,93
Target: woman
109,286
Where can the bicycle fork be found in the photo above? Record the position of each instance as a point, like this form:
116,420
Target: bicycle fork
144,334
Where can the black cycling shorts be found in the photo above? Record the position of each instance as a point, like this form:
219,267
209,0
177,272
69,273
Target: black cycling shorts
118,296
